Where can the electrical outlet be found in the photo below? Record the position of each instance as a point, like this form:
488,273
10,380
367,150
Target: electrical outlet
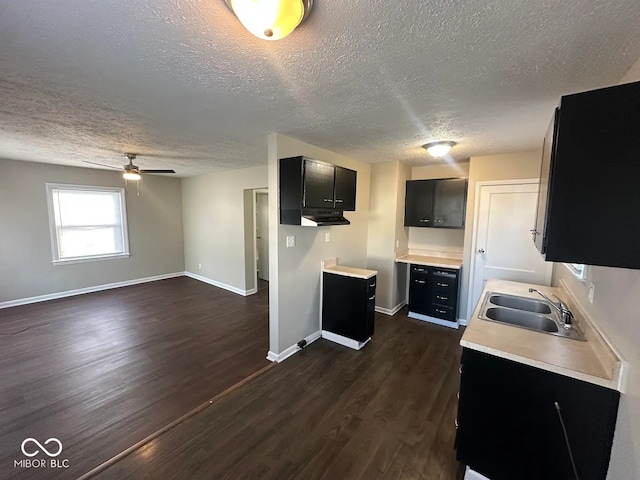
199,266
592,292
327,237
291,241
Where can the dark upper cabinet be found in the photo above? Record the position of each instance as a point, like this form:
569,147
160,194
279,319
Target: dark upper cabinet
439,203
589,196
345,189
311,187
418,204
318,184
449,200
510,421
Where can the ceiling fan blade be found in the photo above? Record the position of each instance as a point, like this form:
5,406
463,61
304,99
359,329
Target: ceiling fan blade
157,171
102,165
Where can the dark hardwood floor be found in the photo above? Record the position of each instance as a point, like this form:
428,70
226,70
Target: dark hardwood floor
102,371
328,412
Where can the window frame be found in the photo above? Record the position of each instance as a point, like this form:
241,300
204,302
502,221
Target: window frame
50,187
580,275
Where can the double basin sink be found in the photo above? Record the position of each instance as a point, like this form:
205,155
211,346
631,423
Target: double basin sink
526,313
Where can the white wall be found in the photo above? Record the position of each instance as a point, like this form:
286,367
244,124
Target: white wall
294,286
214,224
386,211
509,166
26,269
616,309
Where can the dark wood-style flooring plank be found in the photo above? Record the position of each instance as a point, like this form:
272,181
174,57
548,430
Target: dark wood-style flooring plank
104,370
385,412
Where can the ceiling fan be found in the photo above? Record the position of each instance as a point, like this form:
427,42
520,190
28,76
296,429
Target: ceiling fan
131,171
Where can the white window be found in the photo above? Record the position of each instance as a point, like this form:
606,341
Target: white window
87,223
578,269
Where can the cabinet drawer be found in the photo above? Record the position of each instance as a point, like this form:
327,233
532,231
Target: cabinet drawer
444,298
446,313
419,269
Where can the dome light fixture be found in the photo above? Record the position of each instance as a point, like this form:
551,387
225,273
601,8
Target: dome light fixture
439,149
270,19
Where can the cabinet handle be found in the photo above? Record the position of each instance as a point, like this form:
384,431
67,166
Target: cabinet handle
442,284
458,395
371,285
418,269
424,220
371,298
439,221
328,200
339,201
455,421
441,311
441,297
460,369
420,281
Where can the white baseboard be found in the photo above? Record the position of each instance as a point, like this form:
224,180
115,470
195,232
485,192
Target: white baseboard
391,311
281,357
81,291
437,321
224,286
347,342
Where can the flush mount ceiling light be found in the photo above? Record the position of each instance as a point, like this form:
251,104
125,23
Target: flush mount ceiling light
131,176
439,149
270,19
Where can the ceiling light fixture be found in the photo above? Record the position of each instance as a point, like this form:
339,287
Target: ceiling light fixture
270,19
439,149
131,176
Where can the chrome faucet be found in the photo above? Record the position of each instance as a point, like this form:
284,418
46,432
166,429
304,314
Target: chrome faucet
566,317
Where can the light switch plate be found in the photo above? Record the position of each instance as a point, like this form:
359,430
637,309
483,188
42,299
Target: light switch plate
327,237
592,292
291,241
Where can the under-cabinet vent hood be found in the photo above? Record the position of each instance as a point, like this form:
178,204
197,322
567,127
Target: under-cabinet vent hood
322,220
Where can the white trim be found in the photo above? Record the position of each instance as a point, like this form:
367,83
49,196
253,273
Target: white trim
474,232
281,357
391,311
97,258
437,321
582,278
345,341
81,291
224,286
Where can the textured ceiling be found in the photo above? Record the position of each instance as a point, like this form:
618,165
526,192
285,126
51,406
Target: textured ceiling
184,83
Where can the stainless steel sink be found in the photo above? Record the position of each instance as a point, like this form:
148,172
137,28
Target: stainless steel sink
522,319
526,313
520,303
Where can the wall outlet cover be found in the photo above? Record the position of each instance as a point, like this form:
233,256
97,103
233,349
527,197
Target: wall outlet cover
327,237
592,292
291,241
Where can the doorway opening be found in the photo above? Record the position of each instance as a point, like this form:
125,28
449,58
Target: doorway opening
256,240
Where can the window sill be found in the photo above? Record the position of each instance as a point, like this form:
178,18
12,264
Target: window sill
582,278
97,258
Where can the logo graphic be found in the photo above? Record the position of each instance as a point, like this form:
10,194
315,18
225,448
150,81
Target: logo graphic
33,453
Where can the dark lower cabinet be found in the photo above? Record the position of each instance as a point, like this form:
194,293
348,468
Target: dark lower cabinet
509,421
433,291
348,305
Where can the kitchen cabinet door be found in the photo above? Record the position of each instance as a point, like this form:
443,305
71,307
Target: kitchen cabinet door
345,192
318,185
449,201
508,425
348,306
418,206
419,291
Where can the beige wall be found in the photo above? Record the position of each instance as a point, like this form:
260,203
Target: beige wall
26,269
386,210
214,224
510,166
294,292
616,309
442,239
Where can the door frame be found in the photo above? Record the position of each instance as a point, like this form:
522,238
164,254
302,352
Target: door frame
474,233
254,212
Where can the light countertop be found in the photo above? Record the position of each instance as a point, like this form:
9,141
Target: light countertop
595,360
429,258
331,266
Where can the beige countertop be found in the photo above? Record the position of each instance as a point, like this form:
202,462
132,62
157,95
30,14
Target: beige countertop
331,266
431,261
595,361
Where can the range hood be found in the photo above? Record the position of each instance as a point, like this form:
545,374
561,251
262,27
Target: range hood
324,219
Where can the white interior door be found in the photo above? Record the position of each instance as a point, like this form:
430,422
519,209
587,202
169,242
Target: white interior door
262,235
504,248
